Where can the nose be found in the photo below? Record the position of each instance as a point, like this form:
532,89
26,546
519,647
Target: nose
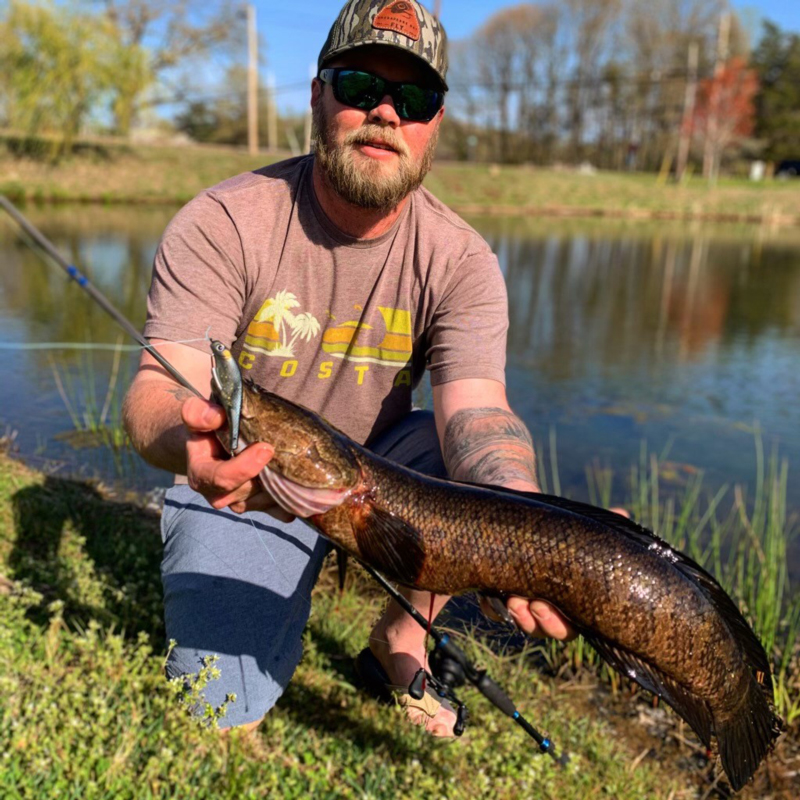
385,113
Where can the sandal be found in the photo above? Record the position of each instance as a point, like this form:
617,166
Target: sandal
377,685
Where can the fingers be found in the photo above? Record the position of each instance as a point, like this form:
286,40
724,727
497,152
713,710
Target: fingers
623,512
201,416
225,482
538,618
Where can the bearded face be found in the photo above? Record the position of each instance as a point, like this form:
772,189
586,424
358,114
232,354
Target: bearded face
358,179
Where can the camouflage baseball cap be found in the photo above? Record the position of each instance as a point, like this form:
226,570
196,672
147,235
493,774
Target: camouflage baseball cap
400,23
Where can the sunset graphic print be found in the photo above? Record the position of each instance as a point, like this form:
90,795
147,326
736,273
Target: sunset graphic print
280,324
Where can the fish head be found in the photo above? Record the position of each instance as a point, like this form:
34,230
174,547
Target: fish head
308,451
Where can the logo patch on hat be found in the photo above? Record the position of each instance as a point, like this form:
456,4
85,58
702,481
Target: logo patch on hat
399,17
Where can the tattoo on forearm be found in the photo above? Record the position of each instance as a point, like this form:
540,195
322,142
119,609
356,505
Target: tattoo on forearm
489,445
179,392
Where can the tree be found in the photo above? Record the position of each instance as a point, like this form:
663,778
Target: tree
725,109
56,67
657,38
777,64
173,33
589,25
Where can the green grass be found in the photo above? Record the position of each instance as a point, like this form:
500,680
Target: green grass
141,174
85,711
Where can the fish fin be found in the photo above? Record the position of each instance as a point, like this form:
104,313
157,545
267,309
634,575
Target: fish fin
693,709
498,606
341,564
752,648
389,544
746,736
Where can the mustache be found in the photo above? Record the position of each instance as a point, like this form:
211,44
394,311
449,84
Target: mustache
375,133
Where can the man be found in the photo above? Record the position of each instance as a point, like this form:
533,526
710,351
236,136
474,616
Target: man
337,280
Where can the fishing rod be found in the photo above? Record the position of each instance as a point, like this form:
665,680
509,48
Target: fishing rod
451,666
91,289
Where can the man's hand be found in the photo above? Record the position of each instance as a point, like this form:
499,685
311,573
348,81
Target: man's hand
533,617
225,482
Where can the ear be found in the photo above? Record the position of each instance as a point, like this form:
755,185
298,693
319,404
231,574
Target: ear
317,87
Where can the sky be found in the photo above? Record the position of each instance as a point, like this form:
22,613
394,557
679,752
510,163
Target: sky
293,36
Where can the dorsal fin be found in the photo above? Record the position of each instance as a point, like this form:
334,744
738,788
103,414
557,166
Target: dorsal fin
716,595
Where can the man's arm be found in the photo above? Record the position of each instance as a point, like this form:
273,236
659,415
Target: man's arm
483,441
173,429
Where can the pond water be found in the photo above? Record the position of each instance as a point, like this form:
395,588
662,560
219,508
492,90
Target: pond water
681,338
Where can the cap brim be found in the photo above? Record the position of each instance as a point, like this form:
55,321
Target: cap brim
354,45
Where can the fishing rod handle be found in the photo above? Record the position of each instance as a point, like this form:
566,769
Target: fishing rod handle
495,695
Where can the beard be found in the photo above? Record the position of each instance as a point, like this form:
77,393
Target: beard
361,181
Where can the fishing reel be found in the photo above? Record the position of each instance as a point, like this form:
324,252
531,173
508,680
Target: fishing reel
446,674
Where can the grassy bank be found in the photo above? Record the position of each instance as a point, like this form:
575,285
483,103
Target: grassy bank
175,174
85,711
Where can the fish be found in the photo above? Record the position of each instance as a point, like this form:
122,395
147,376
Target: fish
650,611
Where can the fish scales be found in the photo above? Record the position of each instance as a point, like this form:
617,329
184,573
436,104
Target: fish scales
650,611
518,546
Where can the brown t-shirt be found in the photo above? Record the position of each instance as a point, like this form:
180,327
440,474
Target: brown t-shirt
342,325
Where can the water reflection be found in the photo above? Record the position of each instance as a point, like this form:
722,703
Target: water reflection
39,304
680,335
579,303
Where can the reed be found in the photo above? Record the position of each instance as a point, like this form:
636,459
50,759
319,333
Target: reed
95,423
743,542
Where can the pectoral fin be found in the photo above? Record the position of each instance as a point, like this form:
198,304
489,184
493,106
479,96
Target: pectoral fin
389,544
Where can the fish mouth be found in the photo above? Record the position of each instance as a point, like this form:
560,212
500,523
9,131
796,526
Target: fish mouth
300,500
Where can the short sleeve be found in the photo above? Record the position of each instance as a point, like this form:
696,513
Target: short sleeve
467,335
198,283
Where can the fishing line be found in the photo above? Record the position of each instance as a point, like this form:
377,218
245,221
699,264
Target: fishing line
49,248
85,284
91,345
274,560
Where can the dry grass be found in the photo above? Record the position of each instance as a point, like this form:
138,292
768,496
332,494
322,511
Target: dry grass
117,174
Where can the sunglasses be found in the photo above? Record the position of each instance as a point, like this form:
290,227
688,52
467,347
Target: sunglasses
352,87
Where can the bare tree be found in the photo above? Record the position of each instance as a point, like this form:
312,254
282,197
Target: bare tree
497,57
589,25
173,32
658,36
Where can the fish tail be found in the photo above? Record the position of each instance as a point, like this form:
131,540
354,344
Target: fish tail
747,735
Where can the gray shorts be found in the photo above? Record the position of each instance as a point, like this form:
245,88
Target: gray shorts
239,586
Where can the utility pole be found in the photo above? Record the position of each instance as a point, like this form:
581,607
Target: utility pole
252,80
437,9
312,73
688,111
272,117
710,152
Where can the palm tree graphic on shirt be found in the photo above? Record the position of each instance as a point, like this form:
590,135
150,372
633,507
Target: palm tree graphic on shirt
277,312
